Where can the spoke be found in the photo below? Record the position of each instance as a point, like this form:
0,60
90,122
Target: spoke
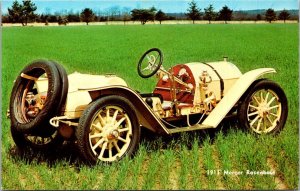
267,96
96,135
269,120
273,107
107,115
119,122
261,97
102,150
269,103
97,127
121,139
101,120
254,97
117,147
115,117
149,59
253,113
147,68
273,114
110,150
153,59
258,124
153,66
254,120
253,106
98,143
124,129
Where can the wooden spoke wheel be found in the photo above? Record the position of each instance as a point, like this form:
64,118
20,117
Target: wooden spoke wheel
264,109
108,130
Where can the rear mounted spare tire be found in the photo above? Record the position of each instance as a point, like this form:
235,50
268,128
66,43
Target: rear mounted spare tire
64,88
24,87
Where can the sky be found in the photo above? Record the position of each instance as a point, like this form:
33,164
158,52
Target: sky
167,6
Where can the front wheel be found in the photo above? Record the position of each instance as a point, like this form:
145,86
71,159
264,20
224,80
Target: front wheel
108,130
264,108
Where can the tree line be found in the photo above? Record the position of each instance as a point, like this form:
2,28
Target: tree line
25,12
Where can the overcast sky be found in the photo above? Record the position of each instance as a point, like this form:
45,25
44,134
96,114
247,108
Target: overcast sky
168,6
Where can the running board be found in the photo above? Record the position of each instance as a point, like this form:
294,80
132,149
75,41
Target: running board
191,128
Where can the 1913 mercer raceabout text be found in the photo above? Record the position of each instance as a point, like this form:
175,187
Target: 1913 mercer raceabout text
105,116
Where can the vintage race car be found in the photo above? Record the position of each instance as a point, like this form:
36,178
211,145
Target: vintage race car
104,116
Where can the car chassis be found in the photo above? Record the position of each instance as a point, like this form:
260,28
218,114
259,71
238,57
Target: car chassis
104,116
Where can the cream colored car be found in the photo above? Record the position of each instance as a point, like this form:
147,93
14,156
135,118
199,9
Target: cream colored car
104,116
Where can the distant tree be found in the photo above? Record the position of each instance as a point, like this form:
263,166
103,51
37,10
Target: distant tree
160,16
143,15
193,12
62,20
240,15
22,13
270,15
5,19
114,12
209,13
284,15
171,18
225,14
87,15
258,17
28,11
126,14
52,18
41,18
73,17
15,12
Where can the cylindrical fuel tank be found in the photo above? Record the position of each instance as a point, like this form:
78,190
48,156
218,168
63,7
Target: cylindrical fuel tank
223,75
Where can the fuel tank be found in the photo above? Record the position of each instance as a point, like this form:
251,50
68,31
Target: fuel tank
216,77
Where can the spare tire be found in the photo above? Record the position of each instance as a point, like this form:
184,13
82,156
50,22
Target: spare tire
64,88
21,119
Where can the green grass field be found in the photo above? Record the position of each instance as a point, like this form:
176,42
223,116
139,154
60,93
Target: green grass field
182,161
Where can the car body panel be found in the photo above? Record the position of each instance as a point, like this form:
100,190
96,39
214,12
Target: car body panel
78,93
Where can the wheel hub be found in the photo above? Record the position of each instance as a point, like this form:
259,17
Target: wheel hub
263,110
110,133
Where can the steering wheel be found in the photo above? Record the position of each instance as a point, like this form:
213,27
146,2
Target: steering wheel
150,62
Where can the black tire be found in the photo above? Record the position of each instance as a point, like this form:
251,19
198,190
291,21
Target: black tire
35,69
109,133
25,142
139,68
64,88
263,108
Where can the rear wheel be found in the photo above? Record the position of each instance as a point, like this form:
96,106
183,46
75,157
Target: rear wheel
108,130
36,142
264,109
